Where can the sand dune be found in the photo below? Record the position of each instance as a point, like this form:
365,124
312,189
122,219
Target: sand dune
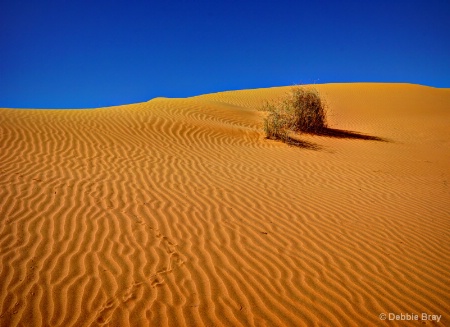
178,212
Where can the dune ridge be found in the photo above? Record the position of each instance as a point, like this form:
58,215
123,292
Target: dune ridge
178,212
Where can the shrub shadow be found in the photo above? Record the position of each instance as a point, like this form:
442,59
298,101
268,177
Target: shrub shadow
298,143
344,134
302,144
328,132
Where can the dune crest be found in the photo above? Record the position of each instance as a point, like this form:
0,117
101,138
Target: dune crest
178,212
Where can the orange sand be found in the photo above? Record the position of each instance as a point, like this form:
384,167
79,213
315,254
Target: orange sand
178,212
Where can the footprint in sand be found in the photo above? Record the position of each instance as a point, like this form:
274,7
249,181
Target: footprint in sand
130,293
106,311
157,281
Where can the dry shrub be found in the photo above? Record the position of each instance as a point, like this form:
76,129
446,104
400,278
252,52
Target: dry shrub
302,110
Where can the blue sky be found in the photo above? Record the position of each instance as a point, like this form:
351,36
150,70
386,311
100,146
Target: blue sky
79,54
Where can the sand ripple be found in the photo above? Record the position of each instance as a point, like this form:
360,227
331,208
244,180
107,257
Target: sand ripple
177,212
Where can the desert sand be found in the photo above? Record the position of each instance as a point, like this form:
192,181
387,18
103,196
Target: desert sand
178,212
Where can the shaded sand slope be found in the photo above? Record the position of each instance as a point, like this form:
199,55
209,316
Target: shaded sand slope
177,212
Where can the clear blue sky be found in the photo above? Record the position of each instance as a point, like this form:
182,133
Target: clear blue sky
77,54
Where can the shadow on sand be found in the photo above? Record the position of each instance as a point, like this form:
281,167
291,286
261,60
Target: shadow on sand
302,144
343,134
332,132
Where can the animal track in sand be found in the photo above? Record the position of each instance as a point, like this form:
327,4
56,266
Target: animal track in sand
122,298
129,294
106,311
126,296
157,281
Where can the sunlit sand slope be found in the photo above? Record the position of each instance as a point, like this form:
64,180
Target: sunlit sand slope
178,212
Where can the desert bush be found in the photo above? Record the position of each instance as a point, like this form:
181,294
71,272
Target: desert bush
302,110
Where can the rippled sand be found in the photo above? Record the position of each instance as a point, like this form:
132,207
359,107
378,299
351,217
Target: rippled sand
178,212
